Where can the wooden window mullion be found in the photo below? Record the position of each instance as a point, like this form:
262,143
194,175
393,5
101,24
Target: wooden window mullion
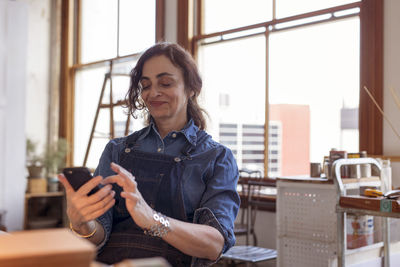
371,76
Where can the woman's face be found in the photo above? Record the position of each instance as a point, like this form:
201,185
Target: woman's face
164,91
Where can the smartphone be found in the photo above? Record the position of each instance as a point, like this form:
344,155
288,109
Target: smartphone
78,176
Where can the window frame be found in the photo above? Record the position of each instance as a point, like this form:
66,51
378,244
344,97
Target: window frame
70,62
189,33
371,62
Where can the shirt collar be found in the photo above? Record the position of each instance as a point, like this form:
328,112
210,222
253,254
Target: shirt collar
189,131
146,131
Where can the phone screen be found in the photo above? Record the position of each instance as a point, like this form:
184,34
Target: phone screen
78,176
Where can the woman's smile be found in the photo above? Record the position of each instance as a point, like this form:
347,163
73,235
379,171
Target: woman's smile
156,104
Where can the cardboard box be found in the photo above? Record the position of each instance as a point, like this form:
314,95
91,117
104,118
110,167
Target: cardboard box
45,248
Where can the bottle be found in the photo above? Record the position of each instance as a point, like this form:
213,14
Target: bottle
354,170
365,168
327,168
386,176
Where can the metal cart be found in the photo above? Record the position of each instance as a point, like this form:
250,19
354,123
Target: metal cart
342,210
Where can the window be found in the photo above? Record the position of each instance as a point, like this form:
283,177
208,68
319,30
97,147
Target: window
241,120
260,11
314,76
115,28
287,8
108,36
297,63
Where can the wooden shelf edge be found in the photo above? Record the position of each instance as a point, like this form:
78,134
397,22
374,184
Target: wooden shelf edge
46,194
361,180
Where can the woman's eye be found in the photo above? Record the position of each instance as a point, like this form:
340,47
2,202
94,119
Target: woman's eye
165,84
144,85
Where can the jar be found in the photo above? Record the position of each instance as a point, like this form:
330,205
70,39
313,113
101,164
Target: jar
365,169
386,176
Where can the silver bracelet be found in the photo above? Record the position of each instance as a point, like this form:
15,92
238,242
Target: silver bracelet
160,228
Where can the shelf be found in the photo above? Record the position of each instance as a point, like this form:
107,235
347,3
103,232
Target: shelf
46,194
349,183
375,246
354,183
361,180
45,210
306,179
370,206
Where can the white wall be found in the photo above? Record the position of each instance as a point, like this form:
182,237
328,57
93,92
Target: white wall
38,70
13,53
24,90
391,143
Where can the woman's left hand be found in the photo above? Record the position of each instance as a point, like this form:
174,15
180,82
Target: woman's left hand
137,207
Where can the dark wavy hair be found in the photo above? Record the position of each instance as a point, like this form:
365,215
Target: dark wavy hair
182,60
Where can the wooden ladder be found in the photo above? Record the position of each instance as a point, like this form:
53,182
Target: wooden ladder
107,77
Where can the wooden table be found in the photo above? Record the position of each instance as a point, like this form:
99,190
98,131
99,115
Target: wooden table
264,194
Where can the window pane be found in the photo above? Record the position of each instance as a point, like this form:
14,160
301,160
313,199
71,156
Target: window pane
314,91
137,25
228,14
287,8
88,85
99,30
234,95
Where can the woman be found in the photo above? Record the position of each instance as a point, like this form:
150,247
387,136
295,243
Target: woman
170,190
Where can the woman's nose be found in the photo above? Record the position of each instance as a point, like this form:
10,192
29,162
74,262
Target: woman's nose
154,91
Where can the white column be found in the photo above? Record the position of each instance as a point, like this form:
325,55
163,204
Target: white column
13,46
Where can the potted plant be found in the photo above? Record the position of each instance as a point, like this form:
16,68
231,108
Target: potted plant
34,161
54,161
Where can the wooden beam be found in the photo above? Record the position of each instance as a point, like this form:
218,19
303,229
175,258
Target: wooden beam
371,76
66,77
160,20
183,27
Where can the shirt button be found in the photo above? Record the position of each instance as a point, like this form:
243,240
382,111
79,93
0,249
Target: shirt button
159,149
173,135
177,159
127,150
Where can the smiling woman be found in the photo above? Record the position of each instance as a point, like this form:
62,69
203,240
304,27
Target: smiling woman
169,190
181,65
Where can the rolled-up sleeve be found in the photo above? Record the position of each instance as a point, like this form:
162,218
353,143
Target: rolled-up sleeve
220,202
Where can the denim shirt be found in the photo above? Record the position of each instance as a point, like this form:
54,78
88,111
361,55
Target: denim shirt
209,181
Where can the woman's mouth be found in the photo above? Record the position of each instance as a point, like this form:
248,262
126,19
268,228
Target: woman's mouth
156,103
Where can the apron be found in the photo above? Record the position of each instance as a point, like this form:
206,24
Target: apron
159,180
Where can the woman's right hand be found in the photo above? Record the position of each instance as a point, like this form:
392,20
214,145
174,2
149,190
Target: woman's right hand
83,209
